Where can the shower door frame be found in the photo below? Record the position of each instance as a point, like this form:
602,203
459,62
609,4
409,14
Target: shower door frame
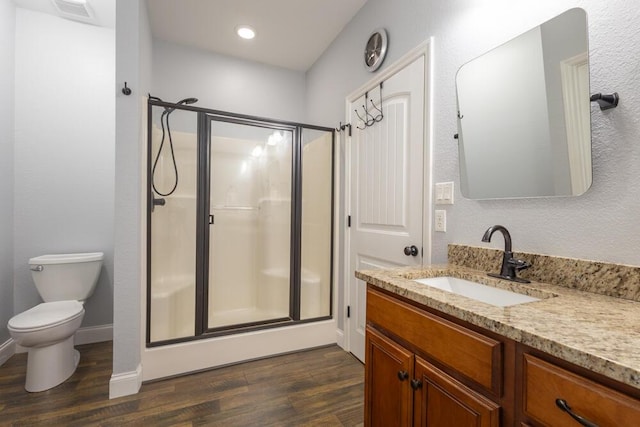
204,220
204,119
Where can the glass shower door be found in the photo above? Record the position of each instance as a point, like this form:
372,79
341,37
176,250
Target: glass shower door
250,187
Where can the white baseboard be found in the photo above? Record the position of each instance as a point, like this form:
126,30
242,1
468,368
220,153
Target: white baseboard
340,339
93,334
125,383
7,349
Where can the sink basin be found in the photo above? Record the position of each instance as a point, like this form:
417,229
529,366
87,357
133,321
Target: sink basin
477,291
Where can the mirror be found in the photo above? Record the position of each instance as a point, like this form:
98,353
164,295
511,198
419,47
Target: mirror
524,122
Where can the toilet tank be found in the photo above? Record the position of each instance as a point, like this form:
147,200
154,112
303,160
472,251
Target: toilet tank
63,277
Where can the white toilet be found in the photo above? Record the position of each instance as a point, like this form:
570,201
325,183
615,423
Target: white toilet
64,282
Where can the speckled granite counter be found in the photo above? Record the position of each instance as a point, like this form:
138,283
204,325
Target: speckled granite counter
595,331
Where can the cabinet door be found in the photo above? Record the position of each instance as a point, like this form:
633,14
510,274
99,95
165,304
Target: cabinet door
441,401
388,370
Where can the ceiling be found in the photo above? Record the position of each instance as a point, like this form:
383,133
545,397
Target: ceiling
289,33
104,10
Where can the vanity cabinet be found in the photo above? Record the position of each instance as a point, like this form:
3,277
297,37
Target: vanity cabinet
402,389
424,368
544,383
421,369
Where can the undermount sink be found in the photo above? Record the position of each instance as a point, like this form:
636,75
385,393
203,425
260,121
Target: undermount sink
477,291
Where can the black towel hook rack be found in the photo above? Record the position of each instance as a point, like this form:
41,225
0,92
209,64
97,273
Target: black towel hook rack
369,119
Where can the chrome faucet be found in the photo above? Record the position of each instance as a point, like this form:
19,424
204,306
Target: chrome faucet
510,265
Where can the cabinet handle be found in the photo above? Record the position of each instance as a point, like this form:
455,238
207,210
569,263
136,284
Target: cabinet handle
403,375
562,404
416,384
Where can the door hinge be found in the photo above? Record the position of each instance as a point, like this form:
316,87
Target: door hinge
348,311
348,220
210,219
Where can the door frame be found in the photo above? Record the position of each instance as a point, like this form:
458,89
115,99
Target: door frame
425,49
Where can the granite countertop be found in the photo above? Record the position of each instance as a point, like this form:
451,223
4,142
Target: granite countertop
597,332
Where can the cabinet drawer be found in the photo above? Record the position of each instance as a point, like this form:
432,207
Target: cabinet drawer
545,382
471,354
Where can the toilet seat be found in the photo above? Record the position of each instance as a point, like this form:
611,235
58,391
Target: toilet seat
46,315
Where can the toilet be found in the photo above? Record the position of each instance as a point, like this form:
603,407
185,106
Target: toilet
64,282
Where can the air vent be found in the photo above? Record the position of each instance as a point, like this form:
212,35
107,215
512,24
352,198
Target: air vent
75,9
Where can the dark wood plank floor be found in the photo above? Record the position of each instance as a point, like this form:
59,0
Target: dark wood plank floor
320,387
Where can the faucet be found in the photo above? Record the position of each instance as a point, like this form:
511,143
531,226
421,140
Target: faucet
510,265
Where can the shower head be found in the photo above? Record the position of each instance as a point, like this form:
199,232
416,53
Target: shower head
187,101
181,102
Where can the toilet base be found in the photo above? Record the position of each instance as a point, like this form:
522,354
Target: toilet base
50,366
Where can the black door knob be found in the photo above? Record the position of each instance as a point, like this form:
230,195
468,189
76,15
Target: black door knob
411,250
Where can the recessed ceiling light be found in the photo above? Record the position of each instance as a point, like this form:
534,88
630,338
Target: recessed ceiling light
245,31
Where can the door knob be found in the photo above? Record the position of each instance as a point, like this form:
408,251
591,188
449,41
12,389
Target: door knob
411,250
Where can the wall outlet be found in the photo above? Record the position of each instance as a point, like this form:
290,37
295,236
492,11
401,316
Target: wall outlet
441,220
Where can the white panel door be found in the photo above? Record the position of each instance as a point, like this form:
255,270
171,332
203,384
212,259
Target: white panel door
386,186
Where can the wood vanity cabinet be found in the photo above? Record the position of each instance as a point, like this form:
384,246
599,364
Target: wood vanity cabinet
587,397
421,369
424,368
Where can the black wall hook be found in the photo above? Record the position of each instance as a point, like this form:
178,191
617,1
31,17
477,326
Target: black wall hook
606,101
126,90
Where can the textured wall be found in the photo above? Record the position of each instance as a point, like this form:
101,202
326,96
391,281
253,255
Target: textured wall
7,50
600,225
64,150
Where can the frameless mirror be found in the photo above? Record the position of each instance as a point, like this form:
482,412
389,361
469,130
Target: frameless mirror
524,122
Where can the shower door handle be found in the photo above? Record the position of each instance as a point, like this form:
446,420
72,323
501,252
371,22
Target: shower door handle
210,219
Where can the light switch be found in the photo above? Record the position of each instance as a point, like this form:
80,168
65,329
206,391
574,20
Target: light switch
441,220
444,193
447,193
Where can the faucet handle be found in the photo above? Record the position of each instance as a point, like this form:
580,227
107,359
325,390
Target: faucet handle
519,264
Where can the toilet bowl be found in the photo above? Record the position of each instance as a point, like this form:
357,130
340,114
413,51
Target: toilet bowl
47,330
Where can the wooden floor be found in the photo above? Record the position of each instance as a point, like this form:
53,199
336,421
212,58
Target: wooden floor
321,387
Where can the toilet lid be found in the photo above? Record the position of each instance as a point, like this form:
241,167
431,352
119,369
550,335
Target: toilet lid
47,314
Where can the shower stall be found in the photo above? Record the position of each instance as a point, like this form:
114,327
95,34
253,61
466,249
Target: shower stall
239,223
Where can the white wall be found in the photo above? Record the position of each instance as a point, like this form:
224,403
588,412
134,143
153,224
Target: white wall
600,225
64,150
228,84
7,50
133,65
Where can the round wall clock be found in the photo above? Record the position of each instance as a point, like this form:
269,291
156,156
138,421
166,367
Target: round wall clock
375,50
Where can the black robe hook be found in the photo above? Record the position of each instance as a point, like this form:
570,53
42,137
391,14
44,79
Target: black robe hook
606,101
